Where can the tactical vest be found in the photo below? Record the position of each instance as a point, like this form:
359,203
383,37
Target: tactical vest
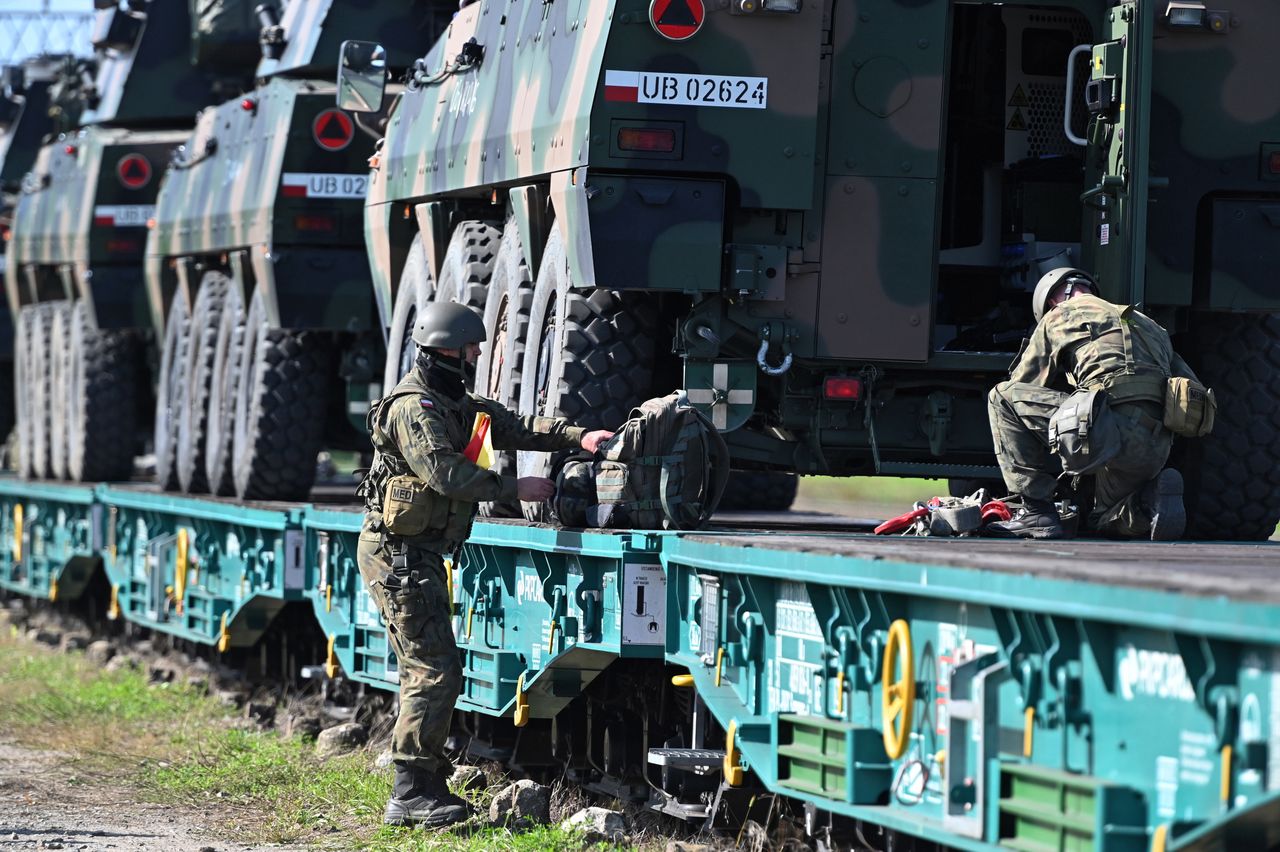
1142,379
440,518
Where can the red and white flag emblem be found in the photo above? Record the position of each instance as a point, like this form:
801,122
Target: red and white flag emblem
622,86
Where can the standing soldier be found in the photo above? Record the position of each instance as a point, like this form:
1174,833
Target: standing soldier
420,498
1082,343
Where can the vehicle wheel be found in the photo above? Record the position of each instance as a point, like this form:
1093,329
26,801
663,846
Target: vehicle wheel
223,388
506,323
22,392
759,491
39,393
59,374
105,378
170,392
590,357
417,288
281,398
469,263
1233,475
198,369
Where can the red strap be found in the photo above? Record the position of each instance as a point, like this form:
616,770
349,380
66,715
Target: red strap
900,523
996,510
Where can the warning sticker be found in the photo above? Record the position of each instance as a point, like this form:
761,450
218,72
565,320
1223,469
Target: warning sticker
1019,97
333,130
1104,234
677,19
134,171
1017,122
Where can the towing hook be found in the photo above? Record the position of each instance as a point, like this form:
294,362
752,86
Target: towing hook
766,336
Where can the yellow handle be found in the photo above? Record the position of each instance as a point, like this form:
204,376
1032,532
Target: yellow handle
471,611
840,692
521,715
331,666
53,590
1160,839
682,680
17,532
328,597
897,693
551,639
719,664
180,571
224,637
113,608
1028,731
1224,792
732,765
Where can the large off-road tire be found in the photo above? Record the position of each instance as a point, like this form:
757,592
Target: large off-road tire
22,392
223,390
468,264
39,394
171,392
280,409
589,357
759,491
59,364
417,288
1233,475
105,381
506,323
198,369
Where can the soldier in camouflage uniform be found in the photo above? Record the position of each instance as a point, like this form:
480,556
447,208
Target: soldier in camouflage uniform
1083,341
420,497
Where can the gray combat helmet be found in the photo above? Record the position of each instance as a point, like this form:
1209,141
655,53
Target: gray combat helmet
447,325
1052,279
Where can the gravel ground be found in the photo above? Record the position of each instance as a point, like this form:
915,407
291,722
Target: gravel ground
42,806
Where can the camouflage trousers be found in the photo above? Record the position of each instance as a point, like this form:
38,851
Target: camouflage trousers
415,605
1020,415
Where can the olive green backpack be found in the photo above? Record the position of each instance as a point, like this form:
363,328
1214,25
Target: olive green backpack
665,468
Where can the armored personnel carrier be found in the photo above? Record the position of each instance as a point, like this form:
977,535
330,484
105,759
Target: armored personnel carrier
74,270
25,120
825,219
256,274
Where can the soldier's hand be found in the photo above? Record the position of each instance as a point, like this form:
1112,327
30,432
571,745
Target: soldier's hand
535,489
592,440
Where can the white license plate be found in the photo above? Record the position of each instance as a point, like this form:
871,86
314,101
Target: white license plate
319,185
695,90
123,215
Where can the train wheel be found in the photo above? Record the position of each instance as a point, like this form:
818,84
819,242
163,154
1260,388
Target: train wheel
39,393
170,392
760,491
417,288
220,427
590,356
1233,475
468,264
506,323
105,378
281,399
58,376
198,370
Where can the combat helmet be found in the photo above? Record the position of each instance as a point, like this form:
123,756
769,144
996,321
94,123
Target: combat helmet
447,325
1052,279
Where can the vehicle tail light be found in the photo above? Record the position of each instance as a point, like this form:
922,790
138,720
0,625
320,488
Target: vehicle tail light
1273,163
122,246
315,222
842,387
652,140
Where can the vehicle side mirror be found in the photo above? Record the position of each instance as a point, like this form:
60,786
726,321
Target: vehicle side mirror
362,76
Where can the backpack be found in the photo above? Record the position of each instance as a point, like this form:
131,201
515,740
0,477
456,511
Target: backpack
665,468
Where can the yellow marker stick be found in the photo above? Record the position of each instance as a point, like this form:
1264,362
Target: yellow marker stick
1028,731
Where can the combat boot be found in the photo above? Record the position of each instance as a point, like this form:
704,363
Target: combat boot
1162,498
423,798
1036,519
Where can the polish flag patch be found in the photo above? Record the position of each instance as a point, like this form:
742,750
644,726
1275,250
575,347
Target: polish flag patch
426,403
622,86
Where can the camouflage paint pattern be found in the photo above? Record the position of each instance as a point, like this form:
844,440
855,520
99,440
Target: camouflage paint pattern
1215,121
75,213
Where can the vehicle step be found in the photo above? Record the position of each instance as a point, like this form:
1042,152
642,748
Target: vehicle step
687,758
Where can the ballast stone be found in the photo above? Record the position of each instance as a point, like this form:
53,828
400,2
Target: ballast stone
341,739
523,803
598,825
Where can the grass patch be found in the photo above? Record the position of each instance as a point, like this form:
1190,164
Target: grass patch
171,744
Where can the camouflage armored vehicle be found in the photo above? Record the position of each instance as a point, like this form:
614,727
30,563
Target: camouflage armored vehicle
256,274
24,123
825,218
74,272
